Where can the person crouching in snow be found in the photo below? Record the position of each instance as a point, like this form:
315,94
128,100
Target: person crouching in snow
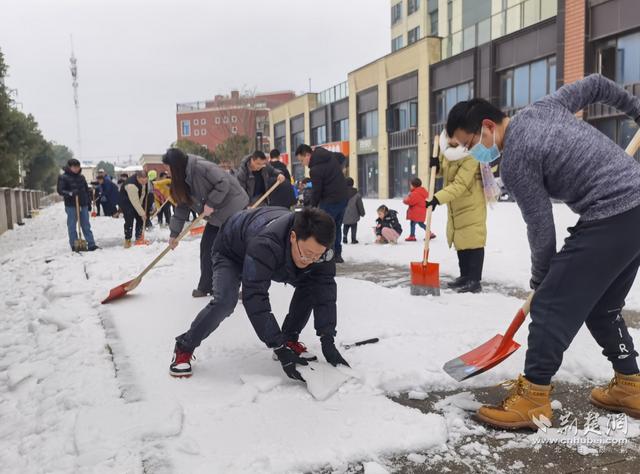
549,153
388,228
258,246
417,211
133,199
464,194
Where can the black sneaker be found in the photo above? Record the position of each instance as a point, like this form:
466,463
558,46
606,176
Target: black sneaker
338,259
457,283
92,248
355,242
345,241
471,286
181,363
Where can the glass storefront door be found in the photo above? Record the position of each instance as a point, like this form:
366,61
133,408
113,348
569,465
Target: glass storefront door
403,165
368,175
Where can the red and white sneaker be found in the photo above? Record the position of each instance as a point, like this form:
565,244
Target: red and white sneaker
300,349
181,363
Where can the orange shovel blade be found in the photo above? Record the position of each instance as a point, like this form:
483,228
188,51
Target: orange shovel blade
480,359
117,292
141,242
197,230
425,279
94,214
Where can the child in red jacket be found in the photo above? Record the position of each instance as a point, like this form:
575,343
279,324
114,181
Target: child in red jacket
417,212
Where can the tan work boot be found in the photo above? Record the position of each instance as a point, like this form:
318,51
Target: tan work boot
524,402
127,243
621,395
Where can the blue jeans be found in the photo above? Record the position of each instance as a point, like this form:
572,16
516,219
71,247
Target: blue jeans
72,223
413,227
336,211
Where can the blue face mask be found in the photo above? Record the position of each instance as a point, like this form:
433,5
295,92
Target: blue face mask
484,154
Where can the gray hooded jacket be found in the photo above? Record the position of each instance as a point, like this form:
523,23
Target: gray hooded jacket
209,184
248,181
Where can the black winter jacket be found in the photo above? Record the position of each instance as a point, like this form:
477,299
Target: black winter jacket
328,182
280,166
390,220
258,241
71,185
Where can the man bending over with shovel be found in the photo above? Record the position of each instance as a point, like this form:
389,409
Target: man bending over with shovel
548,153
256,247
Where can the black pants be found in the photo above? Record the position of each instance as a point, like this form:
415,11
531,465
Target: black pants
165,214
227,276
336,211
471,262
129,216
206,262
587,282
345,231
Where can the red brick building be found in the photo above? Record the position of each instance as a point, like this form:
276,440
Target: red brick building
211,122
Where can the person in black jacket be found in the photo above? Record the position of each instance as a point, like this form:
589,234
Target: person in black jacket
72,184
274,160
256,175
133,201
388,228
258,246
329,186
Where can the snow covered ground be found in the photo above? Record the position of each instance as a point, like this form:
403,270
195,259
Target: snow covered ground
84,387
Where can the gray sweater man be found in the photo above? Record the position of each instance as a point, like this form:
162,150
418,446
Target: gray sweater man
547,152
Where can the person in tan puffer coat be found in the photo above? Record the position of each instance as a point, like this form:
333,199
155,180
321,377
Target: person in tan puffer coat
467,213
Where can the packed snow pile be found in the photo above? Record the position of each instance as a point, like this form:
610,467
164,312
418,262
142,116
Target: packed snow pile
85,387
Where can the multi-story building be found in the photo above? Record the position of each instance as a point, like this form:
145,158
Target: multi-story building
211,122
510,52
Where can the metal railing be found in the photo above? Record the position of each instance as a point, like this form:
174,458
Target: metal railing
403,139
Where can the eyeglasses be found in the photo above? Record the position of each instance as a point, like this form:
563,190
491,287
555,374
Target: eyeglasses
326,256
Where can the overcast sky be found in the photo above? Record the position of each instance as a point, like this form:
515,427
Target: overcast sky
137,58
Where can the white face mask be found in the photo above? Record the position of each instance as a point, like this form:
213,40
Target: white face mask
451,153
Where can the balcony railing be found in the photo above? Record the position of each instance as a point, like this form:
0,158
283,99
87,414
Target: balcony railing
403,139
597,111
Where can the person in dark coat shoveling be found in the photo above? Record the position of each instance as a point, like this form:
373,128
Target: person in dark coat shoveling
254,248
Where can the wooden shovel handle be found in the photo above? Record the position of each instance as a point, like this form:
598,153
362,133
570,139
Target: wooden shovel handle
265,195
159,209
634,144
517,322
430,190
166,250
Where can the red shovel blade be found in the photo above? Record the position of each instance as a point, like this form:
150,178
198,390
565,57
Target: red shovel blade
480,359
117,292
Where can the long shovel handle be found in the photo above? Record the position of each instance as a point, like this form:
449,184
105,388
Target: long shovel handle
78,217
265,195
159,209
634,144
432,187
166,251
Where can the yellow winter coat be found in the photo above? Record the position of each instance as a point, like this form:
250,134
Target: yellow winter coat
467,209
162,187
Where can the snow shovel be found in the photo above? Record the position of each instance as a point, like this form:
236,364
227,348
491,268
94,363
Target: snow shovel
158,210
121,290
79,244
489,354
425,275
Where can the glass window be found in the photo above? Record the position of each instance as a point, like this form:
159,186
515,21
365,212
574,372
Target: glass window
319,135
521,86
451,97
539,78
456,43
396,13
203,131
433,23
203,121
234,129
628,59
463,92
196,132
340,130
506,90
196,122
497,25
548,8
217,120
413,35
513,19
413,115
412,6
368,124
186,128
484,31
469,37
396,43
552,75
531,12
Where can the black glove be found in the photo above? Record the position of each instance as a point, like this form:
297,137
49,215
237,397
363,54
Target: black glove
331,353
434,161
433,203
534,284
289,359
